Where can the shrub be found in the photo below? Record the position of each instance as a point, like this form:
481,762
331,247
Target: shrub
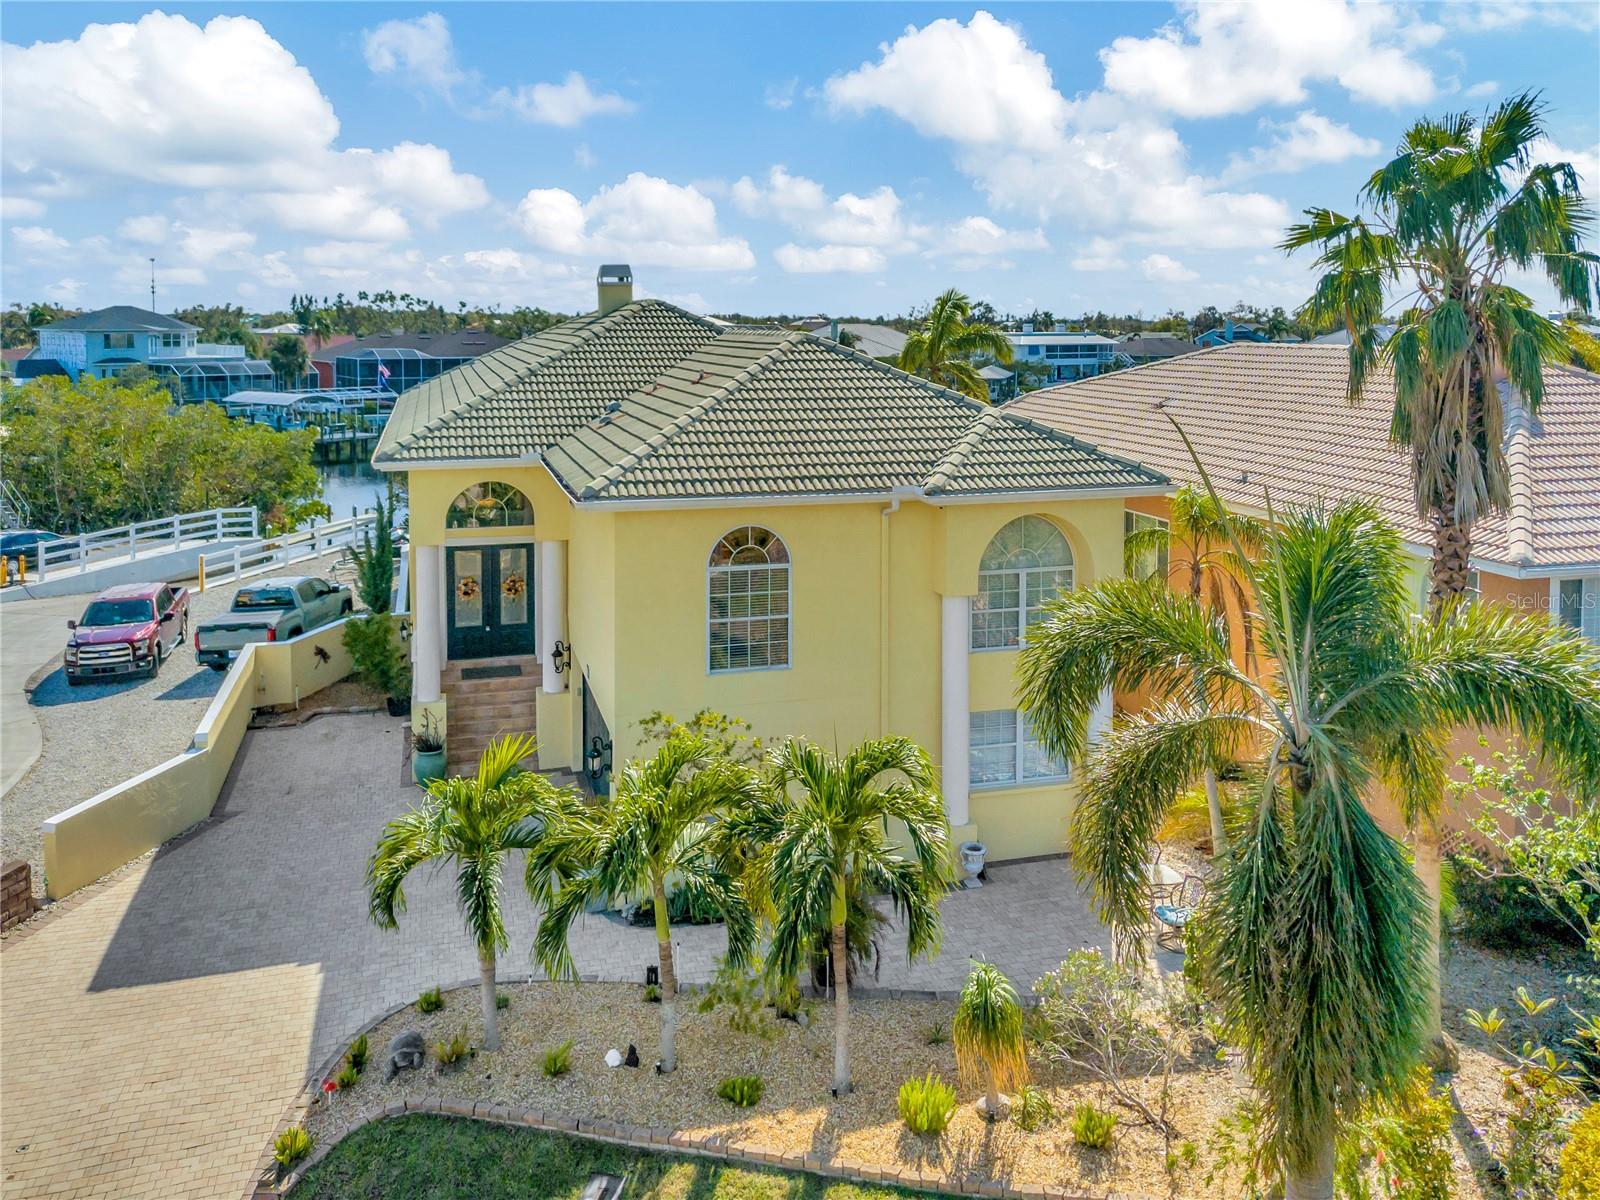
936,1034
743,1090
988,1031
502,1001
743,992
927,1104
1031,1108
1403,1145
1580,1160
1503,913
430,1001
374,563
1093,1127
652,993
356,1056
376,655
346,1076
452,1051
290,1146
557,1060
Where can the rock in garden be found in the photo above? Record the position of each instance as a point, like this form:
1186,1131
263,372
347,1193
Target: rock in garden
613,1057
406,1052
633,1056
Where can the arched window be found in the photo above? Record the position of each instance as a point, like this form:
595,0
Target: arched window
1027,563
748,613
488,505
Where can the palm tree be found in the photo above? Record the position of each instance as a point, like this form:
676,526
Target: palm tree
319,324
818,835
1315,941
944,349
472,824
1461,206
289,360
1202,536
661,823
987,1032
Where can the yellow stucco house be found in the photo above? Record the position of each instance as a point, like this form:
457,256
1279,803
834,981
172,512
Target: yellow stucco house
642,510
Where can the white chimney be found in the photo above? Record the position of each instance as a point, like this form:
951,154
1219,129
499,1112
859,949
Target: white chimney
615,286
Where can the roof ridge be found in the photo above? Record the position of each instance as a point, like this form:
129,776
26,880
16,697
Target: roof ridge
1075,441
1519,422
594,325
960,450
654,444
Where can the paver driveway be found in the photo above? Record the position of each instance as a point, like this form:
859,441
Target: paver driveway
153,1033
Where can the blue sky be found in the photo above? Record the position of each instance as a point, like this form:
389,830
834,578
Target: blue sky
802,158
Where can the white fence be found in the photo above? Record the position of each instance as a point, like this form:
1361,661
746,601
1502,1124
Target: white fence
270,554
143,539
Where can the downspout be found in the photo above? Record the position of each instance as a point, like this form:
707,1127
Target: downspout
895,496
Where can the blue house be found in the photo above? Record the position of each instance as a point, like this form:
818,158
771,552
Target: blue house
104,344
1065,355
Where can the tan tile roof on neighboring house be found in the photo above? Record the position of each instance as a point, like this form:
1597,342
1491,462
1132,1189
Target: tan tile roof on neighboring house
1274,416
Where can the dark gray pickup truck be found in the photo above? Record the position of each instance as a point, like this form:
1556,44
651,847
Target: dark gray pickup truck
270,610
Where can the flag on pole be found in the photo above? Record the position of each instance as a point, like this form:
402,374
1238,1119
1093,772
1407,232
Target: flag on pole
383,375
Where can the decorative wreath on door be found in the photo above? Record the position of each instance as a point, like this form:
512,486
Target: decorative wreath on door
512,586
468,588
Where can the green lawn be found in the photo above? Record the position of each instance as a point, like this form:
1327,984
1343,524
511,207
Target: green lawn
441,1158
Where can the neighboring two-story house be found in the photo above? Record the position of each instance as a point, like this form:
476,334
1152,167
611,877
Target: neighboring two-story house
105,343
1064,355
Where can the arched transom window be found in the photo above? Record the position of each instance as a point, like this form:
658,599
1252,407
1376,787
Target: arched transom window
748,585
1027,563
488,505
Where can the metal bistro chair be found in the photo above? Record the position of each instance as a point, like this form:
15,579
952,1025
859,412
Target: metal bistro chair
1173,910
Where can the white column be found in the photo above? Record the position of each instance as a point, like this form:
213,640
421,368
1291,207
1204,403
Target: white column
1100,717
427,636
553,597
441,609
955,721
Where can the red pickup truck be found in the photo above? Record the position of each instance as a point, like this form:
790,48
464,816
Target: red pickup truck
127,630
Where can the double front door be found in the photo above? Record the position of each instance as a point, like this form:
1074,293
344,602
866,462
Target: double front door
490,598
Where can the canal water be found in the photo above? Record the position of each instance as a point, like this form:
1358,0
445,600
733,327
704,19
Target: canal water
347,486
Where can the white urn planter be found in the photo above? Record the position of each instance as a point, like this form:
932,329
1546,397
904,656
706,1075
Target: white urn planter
973,856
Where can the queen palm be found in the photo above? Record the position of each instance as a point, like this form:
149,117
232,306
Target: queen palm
987,1032
1315,938
944,350
472,824
1460,206
661,824
1198,544
818,835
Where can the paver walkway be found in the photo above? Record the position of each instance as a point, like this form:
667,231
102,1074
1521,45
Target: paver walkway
152,1034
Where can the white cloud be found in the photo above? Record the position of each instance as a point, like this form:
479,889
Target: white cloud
875,219
1308,140
125,102
977,83
39,240
976,242
1495,16
419,51
780,95
564,104
1586,162
1101,254
644,220
20,208
583,156
1096,160
149,229
1478,91
822,260
64,291
1164,269
1230,58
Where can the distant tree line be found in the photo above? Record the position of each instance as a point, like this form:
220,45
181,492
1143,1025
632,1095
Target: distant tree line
98,453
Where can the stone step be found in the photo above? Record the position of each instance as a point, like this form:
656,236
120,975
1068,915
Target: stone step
509,683
477,709
488,727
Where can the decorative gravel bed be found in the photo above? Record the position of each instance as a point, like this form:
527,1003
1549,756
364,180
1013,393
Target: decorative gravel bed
889,1043
97,735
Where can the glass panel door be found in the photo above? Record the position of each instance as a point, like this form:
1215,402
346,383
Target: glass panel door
490,600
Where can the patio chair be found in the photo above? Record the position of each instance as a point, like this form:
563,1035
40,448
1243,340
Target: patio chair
1173,911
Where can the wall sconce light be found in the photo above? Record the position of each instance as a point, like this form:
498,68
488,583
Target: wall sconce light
561,658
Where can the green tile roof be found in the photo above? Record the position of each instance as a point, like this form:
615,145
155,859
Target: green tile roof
652,404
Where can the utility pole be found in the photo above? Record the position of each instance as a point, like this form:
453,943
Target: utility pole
152,283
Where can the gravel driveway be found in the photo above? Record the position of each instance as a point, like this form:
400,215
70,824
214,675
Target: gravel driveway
99,734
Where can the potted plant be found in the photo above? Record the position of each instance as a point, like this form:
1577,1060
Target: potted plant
427,750
973,855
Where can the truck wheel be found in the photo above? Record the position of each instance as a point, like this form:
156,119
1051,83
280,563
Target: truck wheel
155,661
183,628
218,667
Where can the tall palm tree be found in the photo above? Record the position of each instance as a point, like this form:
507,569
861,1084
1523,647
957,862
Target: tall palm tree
471,824
1198,543
944,349
819,835
987,1032
289,359
1460,206
1315,940
661,823
319,324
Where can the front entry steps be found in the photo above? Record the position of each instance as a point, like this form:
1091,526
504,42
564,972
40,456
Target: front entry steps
487,697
